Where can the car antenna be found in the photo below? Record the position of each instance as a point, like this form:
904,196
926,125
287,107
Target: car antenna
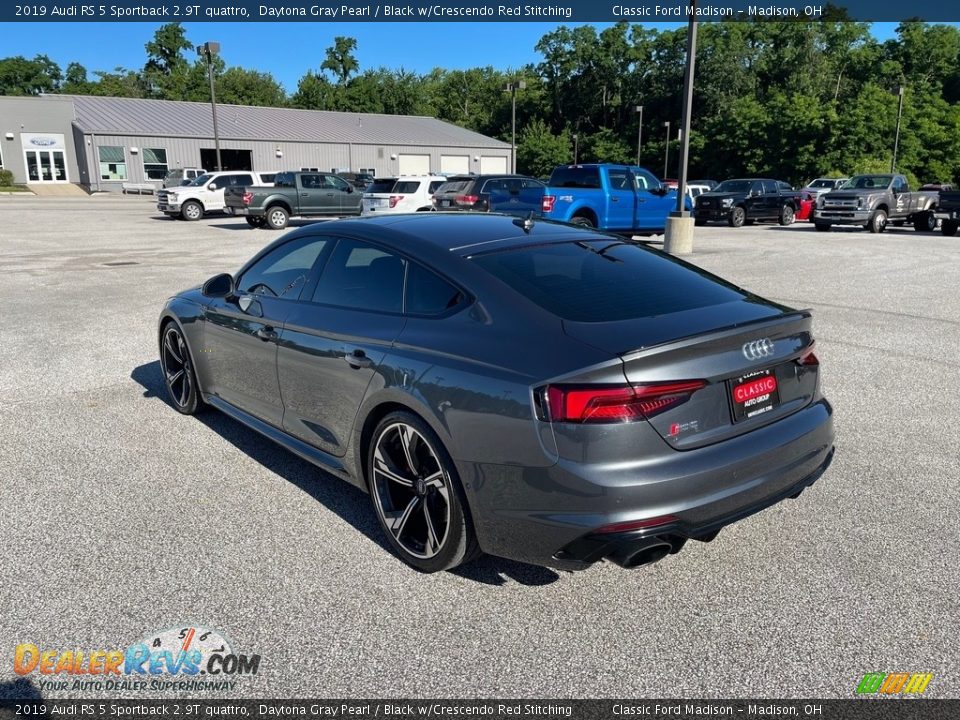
526,224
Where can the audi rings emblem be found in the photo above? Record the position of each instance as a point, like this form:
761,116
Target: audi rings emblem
758,349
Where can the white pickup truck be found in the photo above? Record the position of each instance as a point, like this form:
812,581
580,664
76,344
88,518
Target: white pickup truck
205,194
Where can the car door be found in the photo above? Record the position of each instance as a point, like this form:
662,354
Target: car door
653,205
621,199
754,201
241,332
348,198
314,196
331,346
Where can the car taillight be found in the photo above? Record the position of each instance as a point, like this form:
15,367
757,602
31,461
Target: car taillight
466,199
247,198
394,199
625,403
548,203
809,357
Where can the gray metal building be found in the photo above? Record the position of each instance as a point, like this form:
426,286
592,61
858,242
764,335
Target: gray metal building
102,143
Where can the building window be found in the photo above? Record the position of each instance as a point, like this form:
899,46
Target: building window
113,164
155,163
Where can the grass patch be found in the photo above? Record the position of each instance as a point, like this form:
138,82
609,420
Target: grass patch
13,188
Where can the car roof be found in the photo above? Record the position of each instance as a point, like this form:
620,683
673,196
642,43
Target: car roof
458,233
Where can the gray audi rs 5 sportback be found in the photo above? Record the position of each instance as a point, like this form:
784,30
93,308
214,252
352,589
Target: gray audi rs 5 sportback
532,390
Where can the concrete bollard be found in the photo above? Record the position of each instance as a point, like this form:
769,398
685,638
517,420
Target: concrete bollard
678,235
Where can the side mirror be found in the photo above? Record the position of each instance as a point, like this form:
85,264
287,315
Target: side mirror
350,189
219,286
212,186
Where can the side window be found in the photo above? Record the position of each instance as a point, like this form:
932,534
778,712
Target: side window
644,180
283,272
899,185
756,187
362,277
337,183
311,181
243,180
429,294
619,178
284,180
494,187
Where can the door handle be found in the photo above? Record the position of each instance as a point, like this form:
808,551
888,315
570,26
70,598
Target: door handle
358,359
266,334
614,199
304,194
329,194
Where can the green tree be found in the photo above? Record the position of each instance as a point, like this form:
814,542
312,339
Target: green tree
539,150
340,60
166,70
19,76
314,92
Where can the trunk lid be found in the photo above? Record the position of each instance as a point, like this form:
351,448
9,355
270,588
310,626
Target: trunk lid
748,350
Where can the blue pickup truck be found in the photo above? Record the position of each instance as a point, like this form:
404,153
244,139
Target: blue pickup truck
619,198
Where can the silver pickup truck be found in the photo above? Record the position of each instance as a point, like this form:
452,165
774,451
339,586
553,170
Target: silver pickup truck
873,200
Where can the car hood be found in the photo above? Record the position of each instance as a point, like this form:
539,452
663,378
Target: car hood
718,196
854,194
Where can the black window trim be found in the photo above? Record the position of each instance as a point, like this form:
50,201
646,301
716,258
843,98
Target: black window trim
311,275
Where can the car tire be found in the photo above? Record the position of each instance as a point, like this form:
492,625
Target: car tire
878,222
738,216
582,221
417,496
823,227
191,210
277,218
949,227
255,221
179,376
787,215
925,222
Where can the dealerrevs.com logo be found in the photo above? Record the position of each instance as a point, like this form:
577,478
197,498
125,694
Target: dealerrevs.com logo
184,658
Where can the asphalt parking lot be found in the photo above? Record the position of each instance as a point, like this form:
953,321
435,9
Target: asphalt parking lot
120,517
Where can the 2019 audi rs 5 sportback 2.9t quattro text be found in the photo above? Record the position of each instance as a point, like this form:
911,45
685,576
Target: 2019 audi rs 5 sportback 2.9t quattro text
532,390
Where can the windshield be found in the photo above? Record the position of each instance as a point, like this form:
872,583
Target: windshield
734,186
202,180
822,183
859,182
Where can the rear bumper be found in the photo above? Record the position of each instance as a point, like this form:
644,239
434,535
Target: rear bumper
547,515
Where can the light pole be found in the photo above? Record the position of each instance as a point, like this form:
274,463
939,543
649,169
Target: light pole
678,234
896,137
207,51
576,147
666,149
512,89
639,109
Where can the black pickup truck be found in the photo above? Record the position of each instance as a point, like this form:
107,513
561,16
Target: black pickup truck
948,212
294,194
743,201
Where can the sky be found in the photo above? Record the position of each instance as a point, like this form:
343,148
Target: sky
287,50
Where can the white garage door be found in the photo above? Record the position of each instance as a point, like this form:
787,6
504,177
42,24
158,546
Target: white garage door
492,165
456,164
414,164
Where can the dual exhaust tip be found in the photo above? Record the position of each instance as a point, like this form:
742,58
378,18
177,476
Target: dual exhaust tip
644,552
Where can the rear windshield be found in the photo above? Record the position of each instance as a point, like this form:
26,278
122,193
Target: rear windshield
454,186
604,280
575,177
381,185
822,183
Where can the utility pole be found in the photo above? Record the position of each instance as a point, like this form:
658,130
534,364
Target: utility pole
666,149
512,89
896,137
639,109
207,51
